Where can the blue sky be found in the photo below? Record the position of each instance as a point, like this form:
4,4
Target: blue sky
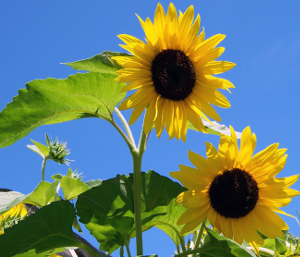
263,39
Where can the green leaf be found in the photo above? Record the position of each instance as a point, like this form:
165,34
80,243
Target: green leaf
72,187
58,100
9,200
281,248
168,222
69,172
94,183
57,177
39,148
220,246
43,194
99,63
107,210
76,225
49,228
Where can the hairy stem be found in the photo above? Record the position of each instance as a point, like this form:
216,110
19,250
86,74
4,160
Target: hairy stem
130,137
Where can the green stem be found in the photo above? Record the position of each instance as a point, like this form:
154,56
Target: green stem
182,242
131,144
128,250
178,249
137,164
130,137
137,154
198,241
43,168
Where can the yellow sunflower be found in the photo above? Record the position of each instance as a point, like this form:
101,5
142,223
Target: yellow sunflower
13,215
236,191
172,73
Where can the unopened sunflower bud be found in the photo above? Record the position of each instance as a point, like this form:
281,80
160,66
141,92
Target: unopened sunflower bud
57,150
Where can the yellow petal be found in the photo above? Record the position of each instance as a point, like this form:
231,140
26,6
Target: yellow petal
214,162
192,214
196,201
194,224
150,115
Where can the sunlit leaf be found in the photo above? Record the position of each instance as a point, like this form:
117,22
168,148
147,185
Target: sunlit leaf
39,148
58,100
9,200
108,210
72,187
43,194
281,247
99,63
94,183
57,177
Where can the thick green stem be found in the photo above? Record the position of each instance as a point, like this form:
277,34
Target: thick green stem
137,154
137,164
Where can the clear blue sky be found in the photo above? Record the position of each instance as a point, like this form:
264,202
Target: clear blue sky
263,39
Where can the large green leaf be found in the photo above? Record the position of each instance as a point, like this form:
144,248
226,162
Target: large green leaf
107,210
49,228
99,63
43,194
9,200
58,100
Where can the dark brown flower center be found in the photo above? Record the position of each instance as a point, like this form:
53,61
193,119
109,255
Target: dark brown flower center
234,193
173,74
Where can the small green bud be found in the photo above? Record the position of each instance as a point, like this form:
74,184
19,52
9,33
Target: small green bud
57,150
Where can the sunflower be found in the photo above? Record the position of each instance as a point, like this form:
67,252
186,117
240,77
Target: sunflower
236,191
12,216
172,73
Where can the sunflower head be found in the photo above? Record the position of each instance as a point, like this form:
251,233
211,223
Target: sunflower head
236,191
172,73
12,216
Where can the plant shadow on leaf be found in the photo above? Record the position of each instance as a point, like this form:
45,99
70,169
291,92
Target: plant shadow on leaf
50,227
108,210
